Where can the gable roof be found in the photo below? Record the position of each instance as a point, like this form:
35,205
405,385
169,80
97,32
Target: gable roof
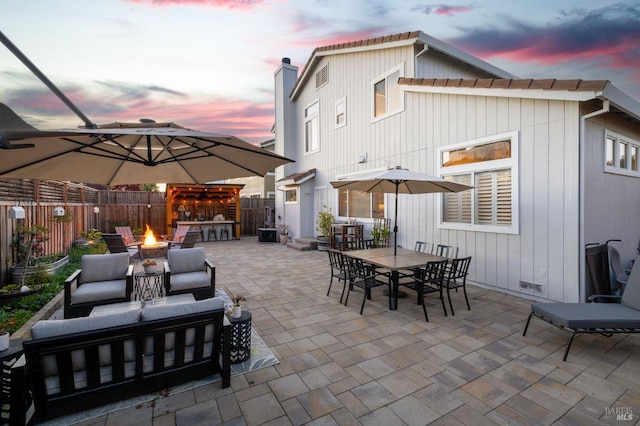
391,41
575,90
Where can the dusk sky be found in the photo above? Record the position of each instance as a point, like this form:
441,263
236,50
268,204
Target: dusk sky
208,64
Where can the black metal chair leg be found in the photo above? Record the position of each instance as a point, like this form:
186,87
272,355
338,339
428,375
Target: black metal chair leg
524,333
450,304
364,299
566,352
464,289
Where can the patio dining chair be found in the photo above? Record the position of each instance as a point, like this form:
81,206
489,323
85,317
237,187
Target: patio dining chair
426,280
338,270
457,278
365,277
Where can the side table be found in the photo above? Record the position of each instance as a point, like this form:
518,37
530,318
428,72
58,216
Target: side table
8,358
148,286
240,337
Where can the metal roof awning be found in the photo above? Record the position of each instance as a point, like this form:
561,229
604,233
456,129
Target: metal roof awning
297,178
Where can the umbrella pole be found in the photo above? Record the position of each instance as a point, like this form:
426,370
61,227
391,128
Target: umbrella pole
395,226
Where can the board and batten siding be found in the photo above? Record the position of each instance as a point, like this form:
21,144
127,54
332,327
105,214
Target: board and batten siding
611,201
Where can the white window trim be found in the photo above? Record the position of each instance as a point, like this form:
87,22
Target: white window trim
304,127
354,175
615,169
401,94
513,163
335,113
271,194
291,188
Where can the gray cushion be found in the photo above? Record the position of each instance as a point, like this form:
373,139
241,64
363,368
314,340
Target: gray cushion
589,315
186,260
190,280
104,267
153,312
631,295
101,290
50,328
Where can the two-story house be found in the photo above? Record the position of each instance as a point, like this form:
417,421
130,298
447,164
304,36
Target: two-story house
554,163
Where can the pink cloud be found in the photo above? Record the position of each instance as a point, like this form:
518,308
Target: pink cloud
444,10
229,4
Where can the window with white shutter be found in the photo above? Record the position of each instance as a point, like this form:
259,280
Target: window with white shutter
489,165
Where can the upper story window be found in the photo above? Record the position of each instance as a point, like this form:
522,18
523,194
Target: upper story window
621,155
312,128
490,165
387,98
341,113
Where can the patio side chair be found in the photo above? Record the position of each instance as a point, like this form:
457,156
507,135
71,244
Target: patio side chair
457,278
426,280
365,277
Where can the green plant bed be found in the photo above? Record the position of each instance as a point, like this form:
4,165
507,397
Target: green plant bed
18,311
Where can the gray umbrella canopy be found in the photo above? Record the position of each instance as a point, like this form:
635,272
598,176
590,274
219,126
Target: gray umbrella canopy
399,181
129,153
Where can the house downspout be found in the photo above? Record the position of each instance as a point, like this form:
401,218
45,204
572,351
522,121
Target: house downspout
581,241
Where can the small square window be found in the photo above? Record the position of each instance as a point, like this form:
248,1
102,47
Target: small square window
341,113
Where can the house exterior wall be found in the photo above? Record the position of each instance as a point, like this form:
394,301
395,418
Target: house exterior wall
547,247
612,201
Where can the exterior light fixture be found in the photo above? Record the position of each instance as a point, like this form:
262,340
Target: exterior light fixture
96,209
58,211
16,212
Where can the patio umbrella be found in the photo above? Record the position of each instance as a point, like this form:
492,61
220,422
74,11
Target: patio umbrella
399,180
127,153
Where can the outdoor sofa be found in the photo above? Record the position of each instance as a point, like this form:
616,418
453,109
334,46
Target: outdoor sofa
75,364
595,318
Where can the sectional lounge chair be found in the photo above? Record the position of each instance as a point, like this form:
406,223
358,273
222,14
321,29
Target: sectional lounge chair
589,318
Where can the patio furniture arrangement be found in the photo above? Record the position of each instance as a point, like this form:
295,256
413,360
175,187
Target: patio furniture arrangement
115,244
188,271
595,318
394,263
102,279
79,363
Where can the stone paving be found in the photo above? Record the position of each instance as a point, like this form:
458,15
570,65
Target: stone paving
391,367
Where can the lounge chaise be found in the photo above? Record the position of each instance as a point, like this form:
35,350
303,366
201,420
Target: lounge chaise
590,318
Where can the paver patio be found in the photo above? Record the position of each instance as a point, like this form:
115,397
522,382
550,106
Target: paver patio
391,367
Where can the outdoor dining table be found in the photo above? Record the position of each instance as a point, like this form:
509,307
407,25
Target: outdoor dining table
384,258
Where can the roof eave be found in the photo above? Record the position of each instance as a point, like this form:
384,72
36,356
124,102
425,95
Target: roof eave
568,95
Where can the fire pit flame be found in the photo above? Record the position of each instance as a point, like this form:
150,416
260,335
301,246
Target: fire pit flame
149,238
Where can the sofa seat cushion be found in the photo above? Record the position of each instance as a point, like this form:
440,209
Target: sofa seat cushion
186,260
190,280
103,267
589,315
52,328
155,312
100,290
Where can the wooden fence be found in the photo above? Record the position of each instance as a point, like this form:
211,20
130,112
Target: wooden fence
114,208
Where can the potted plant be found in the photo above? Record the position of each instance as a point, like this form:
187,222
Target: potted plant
379,234
29,248
284,234
323,226
6,322
237,309
149,266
